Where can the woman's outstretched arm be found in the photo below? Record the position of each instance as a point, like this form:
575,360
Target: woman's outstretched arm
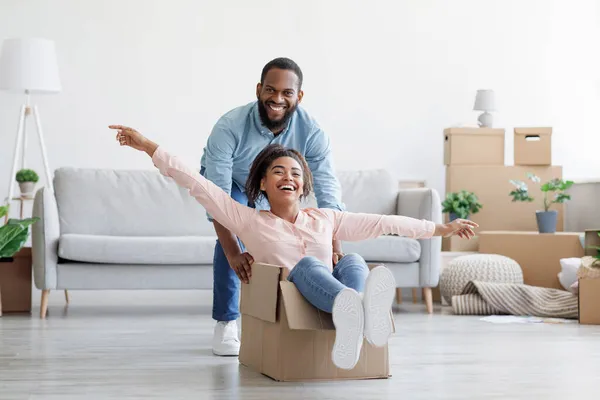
228,212
360,226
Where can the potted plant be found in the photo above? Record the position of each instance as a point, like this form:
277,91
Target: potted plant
546,219
461,205
13,235
596,258
27,179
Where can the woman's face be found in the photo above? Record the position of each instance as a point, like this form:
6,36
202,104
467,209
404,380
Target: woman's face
283,181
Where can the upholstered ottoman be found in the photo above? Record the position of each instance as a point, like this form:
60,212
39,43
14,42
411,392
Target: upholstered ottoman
477,267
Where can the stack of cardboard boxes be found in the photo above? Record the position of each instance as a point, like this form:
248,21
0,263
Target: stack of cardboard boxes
474,159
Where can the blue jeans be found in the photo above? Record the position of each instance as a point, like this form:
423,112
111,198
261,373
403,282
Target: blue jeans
226,284
319,286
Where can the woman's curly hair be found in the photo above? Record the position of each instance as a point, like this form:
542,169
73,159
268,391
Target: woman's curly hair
264,160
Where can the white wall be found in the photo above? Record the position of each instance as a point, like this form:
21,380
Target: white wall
384,78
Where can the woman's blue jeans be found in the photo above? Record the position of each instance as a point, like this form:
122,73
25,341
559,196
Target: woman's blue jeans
319,286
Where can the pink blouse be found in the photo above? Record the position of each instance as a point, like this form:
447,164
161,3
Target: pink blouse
273,240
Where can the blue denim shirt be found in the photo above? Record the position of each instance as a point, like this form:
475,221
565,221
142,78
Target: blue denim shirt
238,137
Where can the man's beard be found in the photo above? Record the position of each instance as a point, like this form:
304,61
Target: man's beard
275,125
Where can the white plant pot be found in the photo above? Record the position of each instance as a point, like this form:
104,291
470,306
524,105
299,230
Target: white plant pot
27,188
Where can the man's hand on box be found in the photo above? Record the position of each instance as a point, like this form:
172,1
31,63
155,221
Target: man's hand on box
242,265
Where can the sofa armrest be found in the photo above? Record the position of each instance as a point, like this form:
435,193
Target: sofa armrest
424,203
44,239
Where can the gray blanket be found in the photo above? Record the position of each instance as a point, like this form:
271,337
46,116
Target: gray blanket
485,298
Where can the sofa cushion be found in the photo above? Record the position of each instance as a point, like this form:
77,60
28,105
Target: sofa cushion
365,191
386,249
137,249
126,203
369,191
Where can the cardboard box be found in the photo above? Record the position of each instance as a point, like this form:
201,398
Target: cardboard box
538,254
492,186
412,184
581,213
473,146
456,243
533,146
591,238
15,283
589,301
286,338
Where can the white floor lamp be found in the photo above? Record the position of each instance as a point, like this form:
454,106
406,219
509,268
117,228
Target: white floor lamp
28,66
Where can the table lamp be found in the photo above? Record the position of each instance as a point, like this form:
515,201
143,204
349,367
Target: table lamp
28,66
485,101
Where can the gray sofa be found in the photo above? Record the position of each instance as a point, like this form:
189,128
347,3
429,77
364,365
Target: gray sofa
109,229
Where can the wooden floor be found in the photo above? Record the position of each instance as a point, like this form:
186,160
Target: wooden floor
157,345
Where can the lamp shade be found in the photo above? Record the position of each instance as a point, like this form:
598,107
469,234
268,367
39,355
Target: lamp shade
29,65
485,100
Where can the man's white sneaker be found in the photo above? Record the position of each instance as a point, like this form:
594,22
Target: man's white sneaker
349,320
378,299
225,339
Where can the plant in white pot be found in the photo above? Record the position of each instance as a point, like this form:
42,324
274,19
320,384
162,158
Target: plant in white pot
27,179
546,219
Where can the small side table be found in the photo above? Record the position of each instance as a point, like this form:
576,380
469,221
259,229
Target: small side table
22,200
15,283
538,254
24,302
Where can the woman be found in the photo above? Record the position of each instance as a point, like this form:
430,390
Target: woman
300,239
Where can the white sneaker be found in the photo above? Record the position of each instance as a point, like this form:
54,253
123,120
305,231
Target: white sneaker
225,339
349,320
378,299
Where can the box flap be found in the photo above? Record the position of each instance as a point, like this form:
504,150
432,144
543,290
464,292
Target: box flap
473,131
533,131
300,313
259,296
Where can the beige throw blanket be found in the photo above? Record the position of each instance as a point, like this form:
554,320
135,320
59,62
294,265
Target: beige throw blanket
485,298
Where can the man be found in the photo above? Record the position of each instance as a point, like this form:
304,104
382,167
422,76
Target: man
236,139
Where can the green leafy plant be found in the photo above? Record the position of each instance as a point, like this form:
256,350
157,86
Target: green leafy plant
556,186
597,248
14,234
27,175
462,204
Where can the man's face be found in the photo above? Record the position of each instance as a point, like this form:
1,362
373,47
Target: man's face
278,96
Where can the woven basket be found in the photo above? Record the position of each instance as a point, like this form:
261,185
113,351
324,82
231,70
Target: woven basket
478,267
589,268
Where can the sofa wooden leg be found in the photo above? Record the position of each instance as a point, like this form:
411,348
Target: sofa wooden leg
0,303
414,293
67,296
44,303
428,299
398,295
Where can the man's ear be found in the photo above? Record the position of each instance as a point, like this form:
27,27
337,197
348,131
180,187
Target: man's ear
258,89
300,96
